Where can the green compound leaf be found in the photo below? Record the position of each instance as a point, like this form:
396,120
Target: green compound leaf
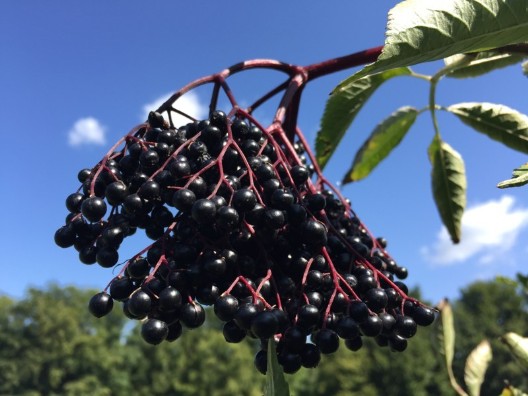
446,338
499,122
476,366
519,178
449,185
276,384
385,137
483,63
518,346
341,109
424,30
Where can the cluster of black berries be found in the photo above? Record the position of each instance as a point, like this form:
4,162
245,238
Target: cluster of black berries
241,221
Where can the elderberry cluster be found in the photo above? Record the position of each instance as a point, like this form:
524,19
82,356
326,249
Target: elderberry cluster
238,221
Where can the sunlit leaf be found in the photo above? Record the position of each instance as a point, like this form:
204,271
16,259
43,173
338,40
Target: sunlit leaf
483,63
525,68
425,30
449,185
476,366
446,338
341,109
519,178
499,122
385,137
511,391
518,347
276,384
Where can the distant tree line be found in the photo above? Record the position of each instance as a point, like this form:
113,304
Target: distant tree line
51,345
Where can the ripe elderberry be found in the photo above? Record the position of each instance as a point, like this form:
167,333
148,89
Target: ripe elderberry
242,219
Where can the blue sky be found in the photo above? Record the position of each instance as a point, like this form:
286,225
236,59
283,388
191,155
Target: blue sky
77,76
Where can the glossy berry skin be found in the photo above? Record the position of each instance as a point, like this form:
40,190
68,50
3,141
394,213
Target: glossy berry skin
423,316
184,200
315,202
154,331
405,326
300,174
397,343
100,304
313,233
149,190
214,267
227,218
358,310
139,304
294,339
121,288
74,202
65,236
290,362
93,208
347,328
204,211
116,193
170,299
264,324
274,219
192,315
354,344
376,299
372,326
261,361
138,268
175,331
244,200
327,341
308,316
245,315
232,333
225,307
310,356
107,257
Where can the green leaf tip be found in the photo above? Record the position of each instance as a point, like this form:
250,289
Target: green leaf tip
519,178
342,108
276,384
476,365
518,347
386,136
498,122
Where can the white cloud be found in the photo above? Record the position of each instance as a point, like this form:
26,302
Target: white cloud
87,131
489,230
188,103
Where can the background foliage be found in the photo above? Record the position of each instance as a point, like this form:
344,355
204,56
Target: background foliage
51,345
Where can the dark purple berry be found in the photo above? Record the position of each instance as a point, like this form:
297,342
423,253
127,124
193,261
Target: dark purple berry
204,211
232,333
310,356
139,304
65,236
100,304
93,208
170,299
264,324
372,326
154,331
192,315
327,341
405,326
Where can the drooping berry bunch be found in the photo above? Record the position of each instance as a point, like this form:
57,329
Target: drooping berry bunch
241,219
